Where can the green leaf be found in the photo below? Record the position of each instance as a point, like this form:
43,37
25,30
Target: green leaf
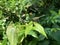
28,28
0,43
45,42
21,36
41,37
33,42
34,34
56,35
0,13
12,34
4,42
39,28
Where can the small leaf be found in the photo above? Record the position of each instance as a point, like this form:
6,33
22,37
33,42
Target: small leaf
28,28
34,34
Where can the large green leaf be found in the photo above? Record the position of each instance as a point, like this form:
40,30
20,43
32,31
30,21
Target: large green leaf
56,35
39,28
12,34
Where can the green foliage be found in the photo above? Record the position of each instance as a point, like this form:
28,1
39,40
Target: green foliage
29,22
11,33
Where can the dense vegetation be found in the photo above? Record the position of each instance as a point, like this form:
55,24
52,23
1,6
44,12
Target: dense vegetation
29,22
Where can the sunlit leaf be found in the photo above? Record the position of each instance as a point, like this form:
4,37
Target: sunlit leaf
28,28
12,34
0,43
39,28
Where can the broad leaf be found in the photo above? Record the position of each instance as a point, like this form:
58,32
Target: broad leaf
39,28
12,34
